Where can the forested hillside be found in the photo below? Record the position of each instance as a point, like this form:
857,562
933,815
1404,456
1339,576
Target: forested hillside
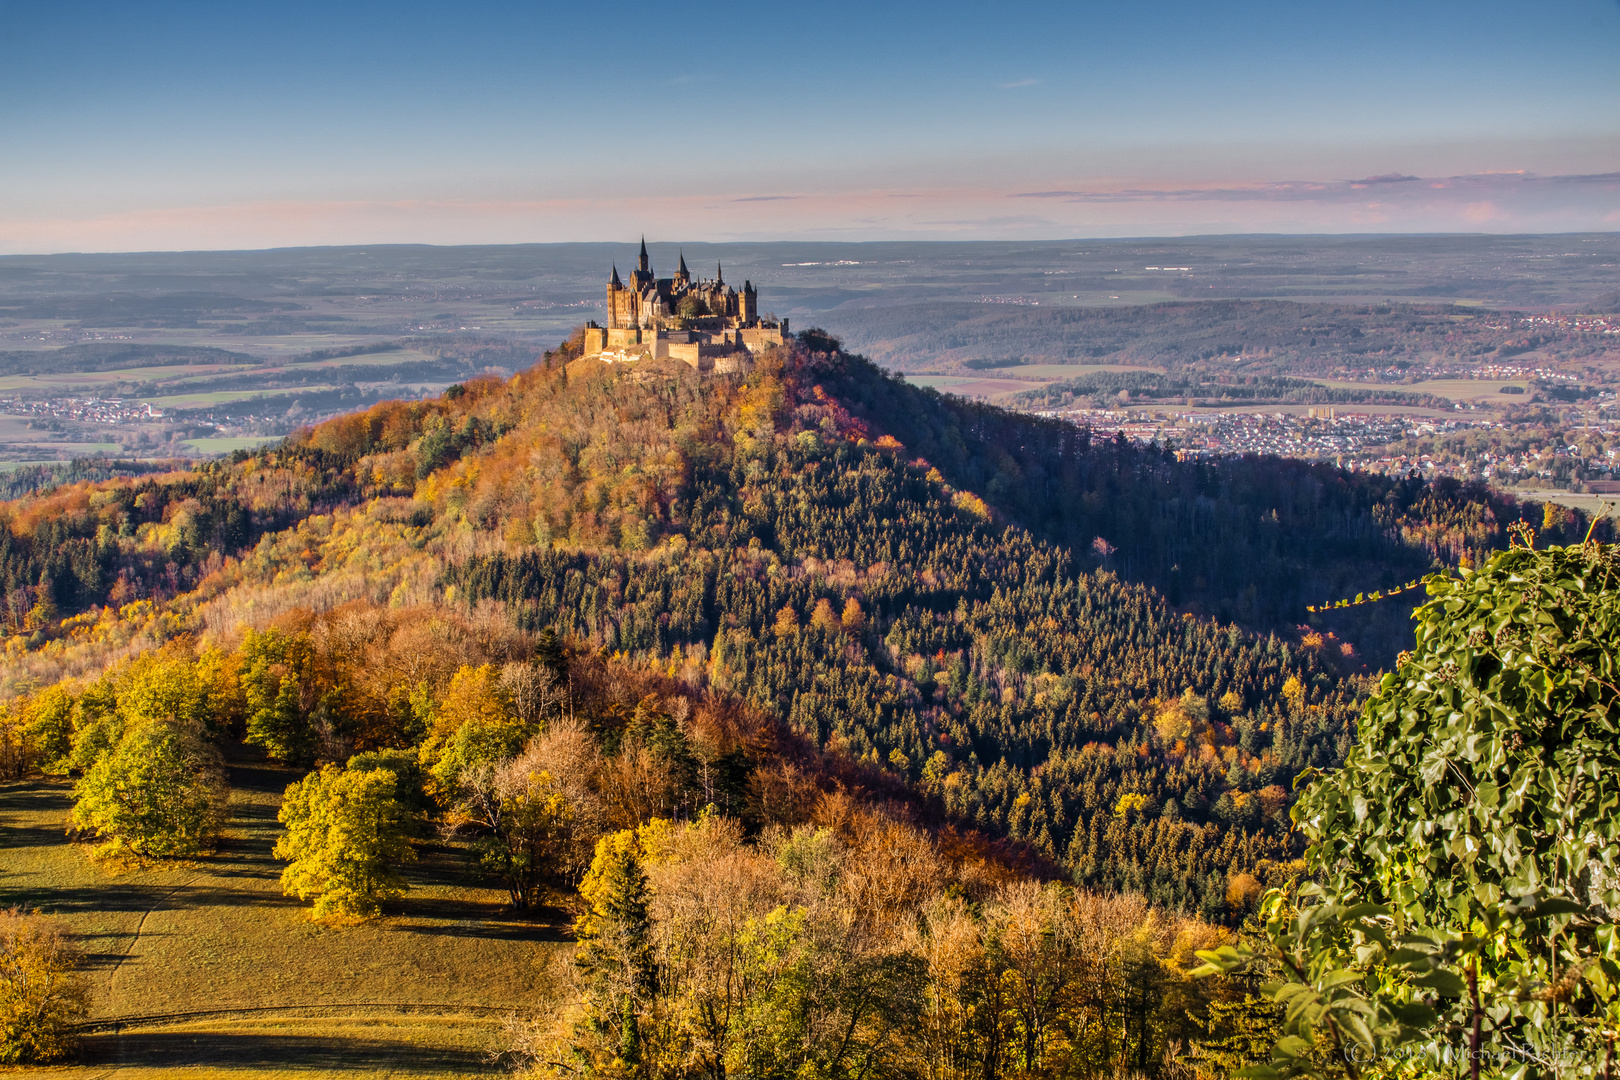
1255,540
1092,649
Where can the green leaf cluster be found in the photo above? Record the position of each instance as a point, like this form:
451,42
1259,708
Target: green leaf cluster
1467,850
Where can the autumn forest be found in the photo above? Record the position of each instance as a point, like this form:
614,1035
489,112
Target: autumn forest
859,730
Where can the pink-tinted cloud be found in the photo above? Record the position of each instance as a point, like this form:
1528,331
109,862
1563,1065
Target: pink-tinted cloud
1389,202
1509,184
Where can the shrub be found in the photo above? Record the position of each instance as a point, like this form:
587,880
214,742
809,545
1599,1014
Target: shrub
42,998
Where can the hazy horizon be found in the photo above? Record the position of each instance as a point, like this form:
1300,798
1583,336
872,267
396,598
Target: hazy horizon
188,126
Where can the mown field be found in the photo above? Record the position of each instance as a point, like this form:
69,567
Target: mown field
1489,390
206,965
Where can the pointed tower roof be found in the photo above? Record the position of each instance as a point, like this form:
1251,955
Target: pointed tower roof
719,274
683,271
614,281
644,246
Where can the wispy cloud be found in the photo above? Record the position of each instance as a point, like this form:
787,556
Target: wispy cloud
1395,185
1393,202
1017,84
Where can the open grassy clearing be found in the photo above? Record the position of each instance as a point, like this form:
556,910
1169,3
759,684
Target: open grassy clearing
379,359
1048,372
973,386
217,934
441,1047
220,397
227,445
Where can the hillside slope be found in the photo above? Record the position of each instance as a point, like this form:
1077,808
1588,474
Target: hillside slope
905,580
1255,540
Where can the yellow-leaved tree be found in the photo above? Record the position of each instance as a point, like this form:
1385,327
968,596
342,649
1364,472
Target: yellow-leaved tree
158,793
42,998
474,724
344,829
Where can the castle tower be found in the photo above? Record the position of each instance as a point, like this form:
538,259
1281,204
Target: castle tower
643,265
615,295
683,277
748,303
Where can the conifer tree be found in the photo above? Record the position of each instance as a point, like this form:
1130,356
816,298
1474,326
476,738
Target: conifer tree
615,952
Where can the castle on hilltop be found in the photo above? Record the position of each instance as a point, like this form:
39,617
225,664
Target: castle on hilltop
707,324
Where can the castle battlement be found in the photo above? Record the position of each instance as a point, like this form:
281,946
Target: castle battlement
703,322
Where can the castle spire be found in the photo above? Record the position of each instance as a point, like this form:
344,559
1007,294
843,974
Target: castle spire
719,274
642,266
614,281
682,270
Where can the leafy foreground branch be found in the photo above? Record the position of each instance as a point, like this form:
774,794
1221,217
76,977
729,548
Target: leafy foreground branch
1463,922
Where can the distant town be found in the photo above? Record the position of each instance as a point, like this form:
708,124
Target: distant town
1465,448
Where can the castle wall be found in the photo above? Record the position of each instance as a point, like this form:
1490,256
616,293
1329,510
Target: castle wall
757,338
689,353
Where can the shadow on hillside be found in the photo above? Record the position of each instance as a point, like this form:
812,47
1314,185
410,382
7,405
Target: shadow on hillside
51,800
61,900
455,917
15,837
438,863
176,1049
113,897
485,931
249,773
538,930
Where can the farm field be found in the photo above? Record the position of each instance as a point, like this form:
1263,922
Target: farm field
377,359
102,381
975,386
226,445
1049,372
1455,389
421,989
202,399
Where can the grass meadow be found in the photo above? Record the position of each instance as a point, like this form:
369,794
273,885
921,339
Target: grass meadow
976,386
1456,389
206,966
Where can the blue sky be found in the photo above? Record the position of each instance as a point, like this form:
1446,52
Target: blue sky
204,125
